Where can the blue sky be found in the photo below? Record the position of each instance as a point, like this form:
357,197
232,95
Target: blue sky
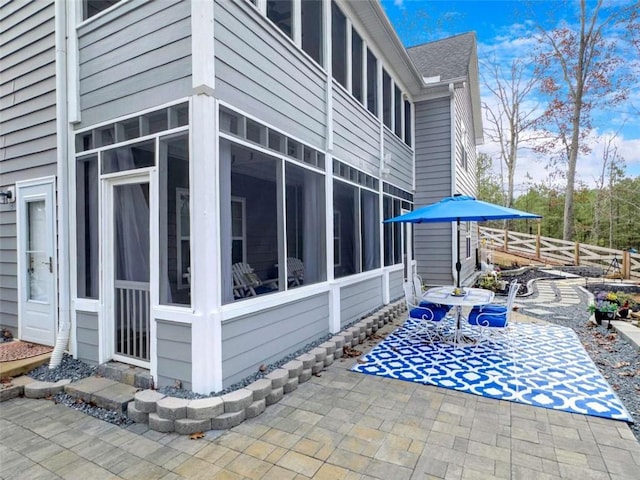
503,30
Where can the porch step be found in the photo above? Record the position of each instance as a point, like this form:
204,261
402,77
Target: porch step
102,392
128,374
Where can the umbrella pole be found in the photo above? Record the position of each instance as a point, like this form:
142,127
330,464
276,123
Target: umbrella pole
458,264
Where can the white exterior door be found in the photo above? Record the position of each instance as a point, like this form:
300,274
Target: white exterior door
36,261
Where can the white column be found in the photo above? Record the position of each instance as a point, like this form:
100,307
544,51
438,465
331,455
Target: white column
206,345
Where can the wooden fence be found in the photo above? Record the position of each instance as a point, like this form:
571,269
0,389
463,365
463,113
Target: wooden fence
618,263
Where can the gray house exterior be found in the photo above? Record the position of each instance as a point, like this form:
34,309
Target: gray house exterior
448,128
156,149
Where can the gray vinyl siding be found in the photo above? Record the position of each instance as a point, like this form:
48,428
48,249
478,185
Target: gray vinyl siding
174,353
87,337
401,161
356,133
395,284
262,73
359,299
28,123
269,335
465,178
432,242
135,57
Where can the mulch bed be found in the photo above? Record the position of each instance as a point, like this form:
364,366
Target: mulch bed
10,351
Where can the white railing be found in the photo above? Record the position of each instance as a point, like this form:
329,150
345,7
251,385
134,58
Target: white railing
132,319
563,252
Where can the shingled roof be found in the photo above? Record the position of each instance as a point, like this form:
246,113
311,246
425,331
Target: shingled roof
448,58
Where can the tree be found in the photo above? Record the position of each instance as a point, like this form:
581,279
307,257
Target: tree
510,118
582,70
489,186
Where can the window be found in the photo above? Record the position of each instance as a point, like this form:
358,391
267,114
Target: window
269,214
87,230
392,231
356,66
279,12
397,106
338,44
336,238
94,7
468,238
357,220
407,122
386,98
175,237
131,157
311,11
305,224
238,227
372,83
183,236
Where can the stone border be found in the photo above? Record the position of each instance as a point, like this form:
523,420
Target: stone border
170,414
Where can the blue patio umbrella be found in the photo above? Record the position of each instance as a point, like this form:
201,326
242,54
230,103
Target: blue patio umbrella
461,208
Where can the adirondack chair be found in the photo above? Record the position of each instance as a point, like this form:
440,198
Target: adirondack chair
245,281
295,271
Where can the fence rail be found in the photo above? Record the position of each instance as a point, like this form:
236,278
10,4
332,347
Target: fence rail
553,250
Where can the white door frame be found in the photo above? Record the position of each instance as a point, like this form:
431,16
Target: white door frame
106,333
22,197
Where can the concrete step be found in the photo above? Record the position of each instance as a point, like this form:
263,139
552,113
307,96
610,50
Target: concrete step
102,392
128,374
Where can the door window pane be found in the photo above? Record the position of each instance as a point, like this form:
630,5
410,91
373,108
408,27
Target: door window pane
37,259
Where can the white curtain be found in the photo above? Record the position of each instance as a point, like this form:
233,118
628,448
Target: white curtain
131,212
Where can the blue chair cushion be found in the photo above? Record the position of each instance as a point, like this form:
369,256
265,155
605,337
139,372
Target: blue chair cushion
487,319
434,314
491,308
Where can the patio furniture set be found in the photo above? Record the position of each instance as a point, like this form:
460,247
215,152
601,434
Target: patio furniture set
441,317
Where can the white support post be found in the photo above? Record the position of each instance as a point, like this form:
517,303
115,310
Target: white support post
206,343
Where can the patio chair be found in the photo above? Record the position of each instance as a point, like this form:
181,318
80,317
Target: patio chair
491,321
429,315
246,281
295,271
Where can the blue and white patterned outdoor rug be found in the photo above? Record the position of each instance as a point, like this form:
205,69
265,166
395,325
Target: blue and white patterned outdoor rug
546,367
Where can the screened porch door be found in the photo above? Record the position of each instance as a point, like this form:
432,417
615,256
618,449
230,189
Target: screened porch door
127,249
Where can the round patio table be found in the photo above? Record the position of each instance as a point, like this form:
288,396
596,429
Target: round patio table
469,297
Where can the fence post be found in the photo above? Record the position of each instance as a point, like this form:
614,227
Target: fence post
506,240
538,242
576,254
626,265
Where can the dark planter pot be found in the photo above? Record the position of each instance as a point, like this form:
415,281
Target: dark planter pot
600,316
